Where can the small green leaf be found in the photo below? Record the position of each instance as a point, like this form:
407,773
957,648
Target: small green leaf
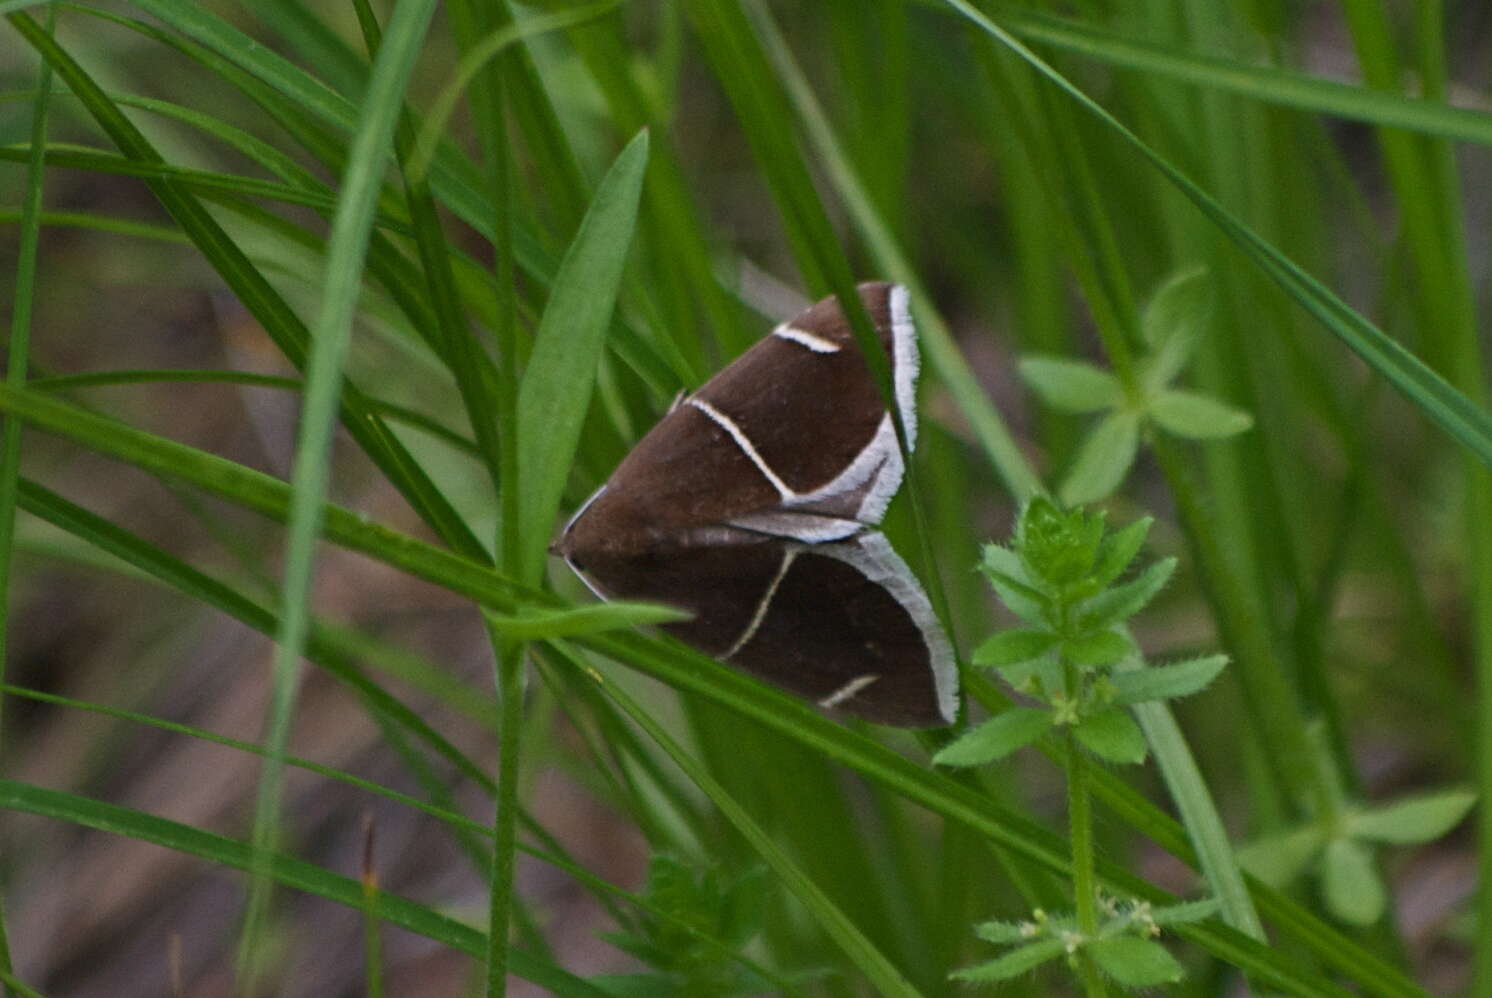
1003,932
1116,605
1113,736
996,738
1098,648
557,384
1278,858
1007,575
1176,316
1185,912
1103,460
1012,964
541,625
1354,892
1071,385
1119,549
1135,962
1418,820
1014,647
1197,417
1167,682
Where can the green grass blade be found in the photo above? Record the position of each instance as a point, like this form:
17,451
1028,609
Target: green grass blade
879,971
267,495
17,360
943,353
541,438
1452,411
556,387
325,648
543,625
1199,814
392,410
474,60
1269,84
955,801
100,223
689,671
257,295
284,870
346,249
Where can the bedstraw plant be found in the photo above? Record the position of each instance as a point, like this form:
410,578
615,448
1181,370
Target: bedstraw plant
1063,576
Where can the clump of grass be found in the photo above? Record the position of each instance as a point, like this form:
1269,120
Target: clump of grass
478,312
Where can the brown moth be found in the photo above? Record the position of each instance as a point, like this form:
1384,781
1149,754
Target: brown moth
752,504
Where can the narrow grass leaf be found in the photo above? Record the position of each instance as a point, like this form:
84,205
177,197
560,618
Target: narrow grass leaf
346,248
1197,417
1270,84
943,352
603,890
288,871
18,350
8,979
1421,819
269,496
473,61
1103,460
689,671
996,738
326,651
878,970
255,292
1167,682
394,411
556,387
1135,962
1354,891
1461,418
1194,803
541,625
1071,385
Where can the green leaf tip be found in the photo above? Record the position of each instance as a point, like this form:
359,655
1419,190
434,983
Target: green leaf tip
1134,962
1071,385
996,738
1197,417
557,384
1415,820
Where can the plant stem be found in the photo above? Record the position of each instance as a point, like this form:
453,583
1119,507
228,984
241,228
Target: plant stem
1084,885
505,826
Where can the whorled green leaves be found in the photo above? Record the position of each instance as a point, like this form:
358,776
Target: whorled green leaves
1171,324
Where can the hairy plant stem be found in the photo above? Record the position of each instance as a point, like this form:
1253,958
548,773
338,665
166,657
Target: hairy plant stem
1080,833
